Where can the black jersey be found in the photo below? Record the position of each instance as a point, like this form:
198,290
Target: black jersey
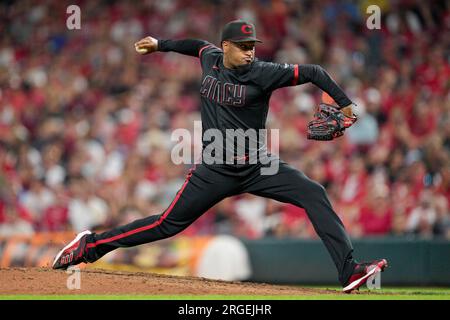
235,102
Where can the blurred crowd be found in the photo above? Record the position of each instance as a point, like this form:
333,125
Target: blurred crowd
86,122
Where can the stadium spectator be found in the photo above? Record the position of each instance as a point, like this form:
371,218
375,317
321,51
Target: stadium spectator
422,218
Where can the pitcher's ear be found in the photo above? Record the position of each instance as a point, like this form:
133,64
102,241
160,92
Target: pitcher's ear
224,44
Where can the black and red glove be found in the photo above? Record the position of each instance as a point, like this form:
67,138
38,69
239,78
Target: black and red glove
329,123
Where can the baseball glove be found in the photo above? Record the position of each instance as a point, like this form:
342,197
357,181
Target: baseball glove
328,123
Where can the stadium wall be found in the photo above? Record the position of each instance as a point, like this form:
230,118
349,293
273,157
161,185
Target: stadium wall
295,261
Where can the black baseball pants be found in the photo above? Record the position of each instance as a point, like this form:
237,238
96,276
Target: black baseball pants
206,185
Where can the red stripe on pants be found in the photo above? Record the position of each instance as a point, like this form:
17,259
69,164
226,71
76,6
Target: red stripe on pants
154,224
294,81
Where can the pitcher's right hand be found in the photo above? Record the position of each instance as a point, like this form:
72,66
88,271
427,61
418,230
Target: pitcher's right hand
146,45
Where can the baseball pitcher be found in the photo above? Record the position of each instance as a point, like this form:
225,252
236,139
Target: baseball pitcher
235,92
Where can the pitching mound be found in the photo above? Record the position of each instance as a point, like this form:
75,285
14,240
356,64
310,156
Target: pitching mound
45,281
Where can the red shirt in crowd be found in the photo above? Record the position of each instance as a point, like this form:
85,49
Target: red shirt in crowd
375,223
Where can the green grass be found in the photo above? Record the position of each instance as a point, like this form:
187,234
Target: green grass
383,294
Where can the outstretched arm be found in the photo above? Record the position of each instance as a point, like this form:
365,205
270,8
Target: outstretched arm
276,75
319,77
190,47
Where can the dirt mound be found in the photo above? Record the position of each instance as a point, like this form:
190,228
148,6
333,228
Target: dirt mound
45,281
